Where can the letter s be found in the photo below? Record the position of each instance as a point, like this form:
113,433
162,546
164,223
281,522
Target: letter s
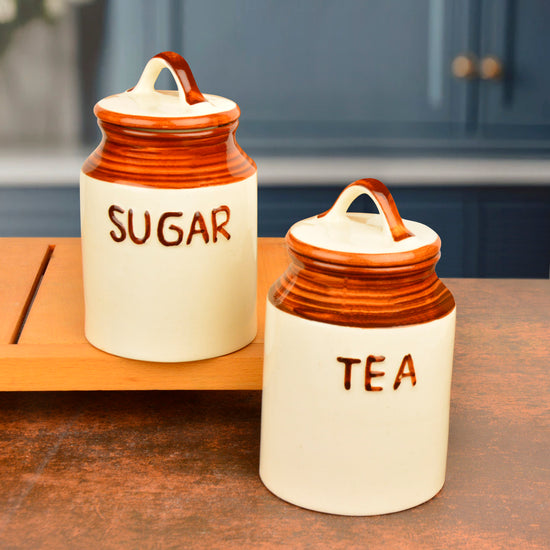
117,238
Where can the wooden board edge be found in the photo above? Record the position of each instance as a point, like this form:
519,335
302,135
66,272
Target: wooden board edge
80,367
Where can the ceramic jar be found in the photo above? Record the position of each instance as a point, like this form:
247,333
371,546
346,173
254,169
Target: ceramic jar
359,344
169,223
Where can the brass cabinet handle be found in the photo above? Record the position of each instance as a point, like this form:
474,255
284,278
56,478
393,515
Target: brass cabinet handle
464,66
490,68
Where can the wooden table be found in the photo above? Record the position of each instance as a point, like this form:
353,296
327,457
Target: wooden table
179,469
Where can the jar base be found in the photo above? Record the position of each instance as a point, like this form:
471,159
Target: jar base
368,507
156,356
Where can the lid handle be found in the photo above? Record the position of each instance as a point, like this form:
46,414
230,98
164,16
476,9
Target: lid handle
383,200
189,92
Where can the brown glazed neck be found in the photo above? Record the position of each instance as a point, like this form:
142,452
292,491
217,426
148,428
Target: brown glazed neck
169,159
360,290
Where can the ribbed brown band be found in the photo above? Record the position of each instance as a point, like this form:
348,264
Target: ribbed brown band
169,159
362,290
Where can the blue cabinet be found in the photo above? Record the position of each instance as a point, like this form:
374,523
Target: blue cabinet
340,74
350,75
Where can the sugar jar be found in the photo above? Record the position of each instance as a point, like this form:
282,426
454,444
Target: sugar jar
169,223
359,342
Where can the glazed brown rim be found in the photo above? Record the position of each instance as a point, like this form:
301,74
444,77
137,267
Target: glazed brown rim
165,123
352,259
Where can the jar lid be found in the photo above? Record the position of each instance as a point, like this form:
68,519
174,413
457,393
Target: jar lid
183,109
361,239
362,270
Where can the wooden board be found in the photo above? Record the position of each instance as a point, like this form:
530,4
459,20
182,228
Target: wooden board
51,352
21,261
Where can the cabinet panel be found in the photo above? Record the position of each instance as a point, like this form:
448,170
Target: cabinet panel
516,237
280,207
518,34
324,71
445,211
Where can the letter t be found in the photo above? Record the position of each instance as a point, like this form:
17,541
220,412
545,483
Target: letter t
348,362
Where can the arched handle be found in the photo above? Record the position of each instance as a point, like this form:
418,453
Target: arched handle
383,200
189,92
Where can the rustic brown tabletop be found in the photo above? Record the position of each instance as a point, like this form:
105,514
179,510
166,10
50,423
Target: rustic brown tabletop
179,469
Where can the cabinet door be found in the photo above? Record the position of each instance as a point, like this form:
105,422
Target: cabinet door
327,74
516,106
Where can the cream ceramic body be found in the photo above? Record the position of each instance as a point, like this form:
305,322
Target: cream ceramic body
179,302
353,451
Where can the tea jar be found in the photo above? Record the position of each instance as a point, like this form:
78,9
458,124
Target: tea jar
359,342
169,223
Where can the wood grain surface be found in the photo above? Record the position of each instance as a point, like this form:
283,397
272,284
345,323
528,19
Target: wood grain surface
179,469
52,352
20,263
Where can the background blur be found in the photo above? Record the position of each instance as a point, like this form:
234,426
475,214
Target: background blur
446,101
